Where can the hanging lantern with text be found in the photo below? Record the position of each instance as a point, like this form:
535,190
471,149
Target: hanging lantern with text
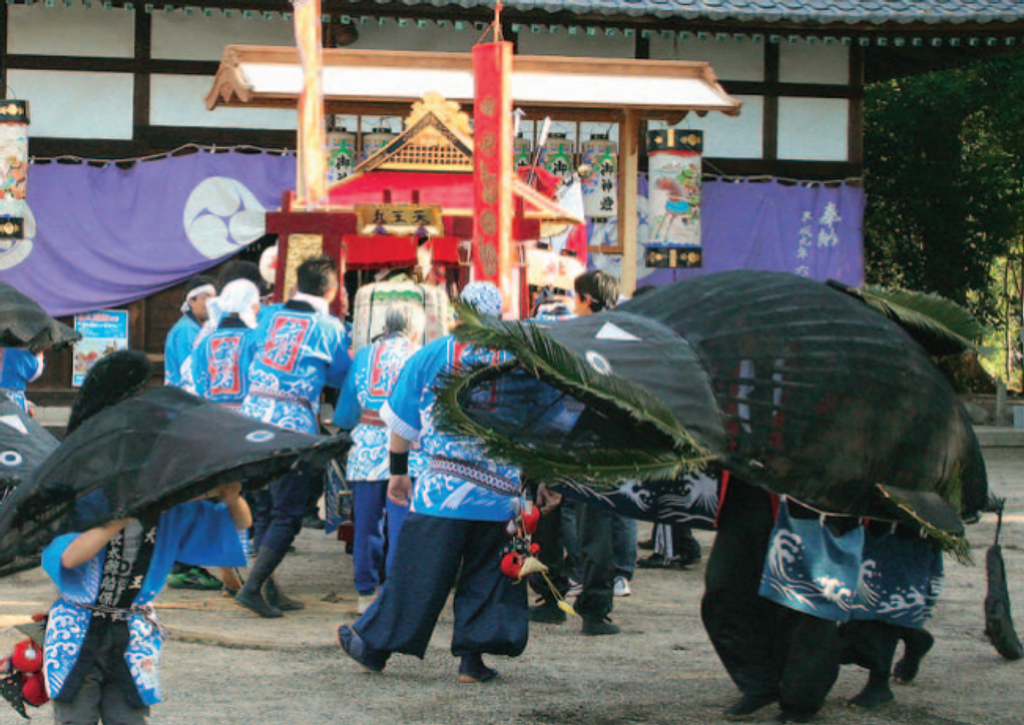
557,156
674,198
341,154
375,141
13,175
601,183
522,151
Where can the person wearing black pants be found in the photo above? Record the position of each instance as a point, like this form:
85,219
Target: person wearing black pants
771,653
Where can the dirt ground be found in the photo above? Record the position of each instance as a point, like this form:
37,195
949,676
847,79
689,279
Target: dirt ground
223,665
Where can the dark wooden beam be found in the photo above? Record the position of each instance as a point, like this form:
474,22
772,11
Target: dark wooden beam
770,119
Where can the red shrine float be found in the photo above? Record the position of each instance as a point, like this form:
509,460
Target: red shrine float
411,204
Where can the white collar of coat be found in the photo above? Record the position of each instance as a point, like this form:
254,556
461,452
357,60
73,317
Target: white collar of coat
318,303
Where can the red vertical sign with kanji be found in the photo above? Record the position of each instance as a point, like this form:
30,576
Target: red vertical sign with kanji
492,166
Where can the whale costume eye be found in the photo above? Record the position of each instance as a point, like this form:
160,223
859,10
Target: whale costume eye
10,459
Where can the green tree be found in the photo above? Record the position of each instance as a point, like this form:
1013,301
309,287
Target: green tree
944,158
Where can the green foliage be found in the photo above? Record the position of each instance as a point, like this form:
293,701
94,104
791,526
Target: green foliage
943,327
944,157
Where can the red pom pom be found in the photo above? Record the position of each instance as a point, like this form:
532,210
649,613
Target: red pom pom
531,516
33,689
535,549
27,657
511,564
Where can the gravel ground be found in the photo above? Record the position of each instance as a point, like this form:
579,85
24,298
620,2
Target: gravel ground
224,665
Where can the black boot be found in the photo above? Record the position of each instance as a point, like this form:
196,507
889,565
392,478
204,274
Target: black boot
250,595
276,598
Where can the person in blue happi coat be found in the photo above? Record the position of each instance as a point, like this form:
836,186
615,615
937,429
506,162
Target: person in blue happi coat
177,362
374,373
299,348
455,530
182,336
103,642
18,368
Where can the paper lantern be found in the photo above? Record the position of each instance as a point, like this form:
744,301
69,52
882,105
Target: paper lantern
601,184
375,141
13,168
341,154
557,156
522,151
674,198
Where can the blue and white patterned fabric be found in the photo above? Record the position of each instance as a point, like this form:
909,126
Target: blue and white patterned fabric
298,350
198,532
889,576
810,569
220,364
18,367
409,412
178,347
484,296
691,499
370,381
901,578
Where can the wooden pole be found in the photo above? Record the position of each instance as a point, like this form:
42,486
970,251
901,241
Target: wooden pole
628,171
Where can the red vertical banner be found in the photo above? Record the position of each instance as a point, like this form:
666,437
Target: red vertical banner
492,167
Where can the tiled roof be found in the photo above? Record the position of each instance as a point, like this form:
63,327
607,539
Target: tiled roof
811,12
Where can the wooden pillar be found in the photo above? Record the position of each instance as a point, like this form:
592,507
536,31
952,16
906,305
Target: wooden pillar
628,171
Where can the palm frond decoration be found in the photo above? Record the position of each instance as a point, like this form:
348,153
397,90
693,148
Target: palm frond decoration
902,511
940,325
552,363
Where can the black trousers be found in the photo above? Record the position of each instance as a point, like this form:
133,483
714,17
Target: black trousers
870,644
766,648
433,554
597,561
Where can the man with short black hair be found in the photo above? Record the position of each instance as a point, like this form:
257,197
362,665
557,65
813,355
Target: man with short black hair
299,349
182,336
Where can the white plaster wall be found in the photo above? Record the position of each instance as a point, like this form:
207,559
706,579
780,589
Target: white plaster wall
814,129
803,62
391,36
728,137
579,45
70,31
73,104
181,101
731,59
177,36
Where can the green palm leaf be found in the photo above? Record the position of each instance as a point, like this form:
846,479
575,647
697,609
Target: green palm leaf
940,325
551,362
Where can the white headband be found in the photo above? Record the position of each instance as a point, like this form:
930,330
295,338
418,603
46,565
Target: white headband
192,294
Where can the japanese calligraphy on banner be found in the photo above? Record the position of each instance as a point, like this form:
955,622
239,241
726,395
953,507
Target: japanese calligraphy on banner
492,166
674,195
557,156
601,185
312,140
816,232
422,220
341,154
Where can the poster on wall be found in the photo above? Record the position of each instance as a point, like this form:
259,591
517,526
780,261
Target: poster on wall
103,332
674,198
